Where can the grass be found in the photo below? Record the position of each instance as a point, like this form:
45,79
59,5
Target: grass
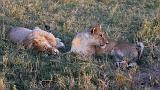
128,20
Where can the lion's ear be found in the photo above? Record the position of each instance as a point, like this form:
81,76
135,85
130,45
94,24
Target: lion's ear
96,29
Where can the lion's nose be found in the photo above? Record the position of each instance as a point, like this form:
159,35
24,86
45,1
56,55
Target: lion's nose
107,42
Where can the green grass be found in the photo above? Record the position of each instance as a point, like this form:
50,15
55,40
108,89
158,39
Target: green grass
128,20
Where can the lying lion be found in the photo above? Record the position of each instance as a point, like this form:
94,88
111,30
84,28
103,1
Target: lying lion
36,39
84,43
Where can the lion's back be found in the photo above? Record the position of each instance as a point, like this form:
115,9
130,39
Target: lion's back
18,34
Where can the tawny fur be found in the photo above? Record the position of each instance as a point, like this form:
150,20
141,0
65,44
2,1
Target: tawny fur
121,50
84,43
36,39
18,34
2,84
107,48
41,40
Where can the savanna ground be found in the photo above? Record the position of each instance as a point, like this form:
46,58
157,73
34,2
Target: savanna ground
128,20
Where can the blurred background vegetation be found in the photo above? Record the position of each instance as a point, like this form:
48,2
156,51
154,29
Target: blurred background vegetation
128,20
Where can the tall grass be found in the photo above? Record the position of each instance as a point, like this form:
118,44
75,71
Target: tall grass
128,20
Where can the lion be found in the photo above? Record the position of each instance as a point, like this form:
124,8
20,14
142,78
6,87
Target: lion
36,39
84,43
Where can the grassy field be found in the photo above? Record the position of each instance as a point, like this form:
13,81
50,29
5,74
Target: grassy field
128,20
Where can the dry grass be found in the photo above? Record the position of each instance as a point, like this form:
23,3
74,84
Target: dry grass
128,20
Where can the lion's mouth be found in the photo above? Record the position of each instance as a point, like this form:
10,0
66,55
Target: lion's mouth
103,46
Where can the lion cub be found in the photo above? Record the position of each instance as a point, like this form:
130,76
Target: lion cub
84,43
36,39
122,50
